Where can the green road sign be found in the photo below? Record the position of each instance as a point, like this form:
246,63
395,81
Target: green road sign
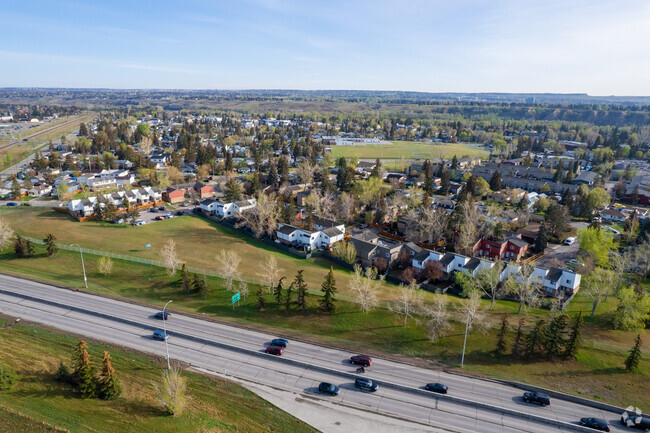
235,297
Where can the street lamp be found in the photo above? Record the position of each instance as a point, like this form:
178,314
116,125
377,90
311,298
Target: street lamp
165,331
82,263
468,322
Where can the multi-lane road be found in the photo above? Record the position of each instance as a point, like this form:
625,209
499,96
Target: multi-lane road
240,352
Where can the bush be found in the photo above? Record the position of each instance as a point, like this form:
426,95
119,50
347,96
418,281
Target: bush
63,374
7,378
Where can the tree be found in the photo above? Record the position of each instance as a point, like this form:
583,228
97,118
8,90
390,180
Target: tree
535,339
634,358
598,198
488,280
108,387
270,273
364,286
105,265
407,302
198,285
642,257
501,337
556,219
438,320
541,240
471,309
301,287
277,292
305,171
287,299
84,372
262,219
598,243
6,233
516,345
542,204
432,270
233,191
261,301
496,181
598,283
171,391
62,190
228,261
51,245
23,247
409,274
243,289
572,344
185,279
345,251
169,257
329,290
554,340
522,285
633,309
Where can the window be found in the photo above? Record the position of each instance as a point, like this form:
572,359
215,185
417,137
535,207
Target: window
568,281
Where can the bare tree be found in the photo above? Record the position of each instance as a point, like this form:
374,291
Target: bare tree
346,206
323,204
438,318
488,280
524,286
171,390
263,218
426,225
146,146
471,310
105,265
306,172
642,257
407,302
6,233
270,273
365,286
243,289
170,259
621,263
468,227
228,266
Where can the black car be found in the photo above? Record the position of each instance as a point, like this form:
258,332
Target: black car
367,385
163,316
437,387
328,388
537,397
595,423
180,212
638,422
279,342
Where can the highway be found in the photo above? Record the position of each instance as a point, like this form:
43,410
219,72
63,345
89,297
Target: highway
240,352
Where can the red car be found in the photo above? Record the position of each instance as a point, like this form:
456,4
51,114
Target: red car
363,360
275,350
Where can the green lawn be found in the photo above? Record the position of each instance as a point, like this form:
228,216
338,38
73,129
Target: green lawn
214,405
408,150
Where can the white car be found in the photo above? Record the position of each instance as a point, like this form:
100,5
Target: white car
139,223
612,229
575,262
569,241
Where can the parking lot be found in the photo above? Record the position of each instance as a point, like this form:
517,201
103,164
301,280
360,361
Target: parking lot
159,213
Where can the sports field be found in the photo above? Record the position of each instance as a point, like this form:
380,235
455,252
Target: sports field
408,150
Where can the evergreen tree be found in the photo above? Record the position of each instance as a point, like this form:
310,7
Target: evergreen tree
261,301
28,248
634,358
496,181
329,289
541,240
277,292
376,169
287,299
283,169
554,335
559,172
51,245
185,279
454,163
84,372
108,387
272,178
232,191
501,338
301,287
255,184
444,182
19,247
516,346
326,184
198,284
573,342
15,188
535,339
228,163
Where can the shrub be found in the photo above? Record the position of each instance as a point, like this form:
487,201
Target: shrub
7,378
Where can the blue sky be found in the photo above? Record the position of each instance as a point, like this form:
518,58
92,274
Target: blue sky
587,46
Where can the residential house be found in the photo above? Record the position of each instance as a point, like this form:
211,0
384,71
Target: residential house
613,214
203,190
173,195
513,248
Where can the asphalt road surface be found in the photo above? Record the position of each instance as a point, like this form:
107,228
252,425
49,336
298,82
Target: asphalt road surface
270,370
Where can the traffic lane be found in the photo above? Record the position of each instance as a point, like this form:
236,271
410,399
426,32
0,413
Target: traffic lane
140,339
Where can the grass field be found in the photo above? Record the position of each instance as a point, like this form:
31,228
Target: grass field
214,405
408,150
597,371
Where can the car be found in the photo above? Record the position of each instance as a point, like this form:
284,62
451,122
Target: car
139,223
328,388
437,387
595,423
576,262
367,385
363,360
163,316
275,350
635,421
153,210
161,208
159,334
180,213
569,241
11,203
169,216
279,342
537,397
159,218
25,204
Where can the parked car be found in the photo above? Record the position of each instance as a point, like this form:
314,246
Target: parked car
180,212
635,421
169,216
328,388
163,316
363,360
367,385
161,208
275,350
575,262
595,423
139,223
154,210
25,204
11,203
537,397
159,218
437,387
569,241
279,342
159,334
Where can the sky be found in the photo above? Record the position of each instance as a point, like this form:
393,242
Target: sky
570,46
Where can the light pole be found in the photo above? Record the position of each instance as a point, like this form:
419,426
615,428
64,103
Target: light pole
82,263
165,331
467,323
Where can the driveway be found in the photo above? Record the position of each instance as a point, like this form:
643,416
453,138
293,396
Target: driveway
563,253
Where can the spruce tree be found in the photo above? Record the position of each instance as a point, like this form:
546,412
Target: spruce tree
501,339
261,302
19,247
51,245
535,340
574,339
198,285
496,181
108,387
541,240
633,359
329,289
301,287
185,279
287,299
554,335
84,372
516,346
272,178
29,248
277,292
